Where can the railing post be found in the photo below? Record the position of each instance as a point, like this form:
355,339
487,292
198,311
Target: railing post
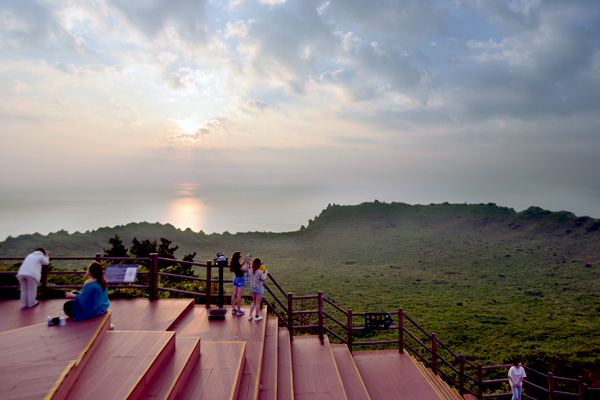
550,386
44,283
401,330
434,353
290,316
99,259
321,317
350,330
479,381
153,272
580,383
461,376
208,290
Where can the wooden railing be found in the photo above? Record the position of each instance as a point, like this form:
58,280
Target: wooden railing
327,317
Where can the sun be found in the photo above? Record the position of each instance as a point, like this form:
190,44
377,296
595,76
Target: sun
188,125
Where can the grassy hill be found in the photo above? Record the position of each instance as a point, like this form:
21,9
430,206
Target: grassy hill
491,282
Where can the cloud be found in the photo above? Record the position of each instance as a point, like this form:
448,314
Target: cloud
36,26
185,17
345,90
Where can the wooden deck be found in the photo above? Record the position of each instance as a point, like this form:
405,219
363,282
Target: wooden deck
268,378
141,354
168,349
285,375
316,374
127,314
233,329
390,375
37,360
353,382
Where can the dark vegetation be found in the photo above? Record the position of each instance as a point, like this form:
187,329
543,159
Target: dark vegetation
492,283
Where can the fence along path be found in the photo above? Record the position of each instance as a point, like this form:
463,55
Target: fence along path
467,377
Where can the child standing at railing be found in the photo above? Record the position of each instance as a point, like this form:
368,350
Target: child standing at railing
516,374
257,279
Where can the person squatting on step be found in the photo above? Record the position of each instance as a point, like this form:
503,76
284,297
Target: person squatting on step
239,280
257,279
29,275
93,298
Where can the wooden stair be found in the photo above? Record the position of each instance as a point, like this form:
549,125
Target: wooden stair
316,375
351,378
170,350
176,372
389,374
268,378
285,374
142,354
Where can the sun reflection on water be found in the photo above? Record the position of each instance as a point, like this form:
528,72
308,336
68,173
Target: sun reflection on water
187,212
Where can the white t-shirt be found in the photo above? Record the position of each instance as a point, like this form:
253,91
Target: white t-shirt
32,265
517,375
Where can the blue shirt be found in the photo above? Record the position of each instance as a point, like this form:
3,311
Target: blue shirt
91,302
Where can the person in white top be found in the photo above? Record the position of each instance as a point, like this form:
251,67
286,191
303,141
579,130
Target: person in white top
257,280
29,275
516,374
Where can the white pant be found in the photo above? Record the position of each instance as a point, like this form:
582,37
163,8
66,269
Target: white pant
28,290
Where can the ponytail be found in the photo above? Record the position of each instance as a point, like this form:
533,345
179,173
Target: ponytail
256,263
97,273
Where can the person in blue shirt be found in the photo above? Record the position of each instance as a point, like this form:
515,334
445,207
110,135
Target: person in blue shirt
93,298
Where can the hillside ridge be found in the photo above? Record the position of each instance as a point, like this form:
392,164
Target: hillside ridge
475,216
492,283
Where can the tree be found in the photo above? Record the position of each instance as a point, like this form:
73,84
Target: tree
145,247
142,249
164,250
117,249
189,257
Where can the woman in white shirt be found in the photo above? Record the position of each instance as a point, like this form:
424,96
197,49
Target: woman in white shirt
29,275
257,279
516,374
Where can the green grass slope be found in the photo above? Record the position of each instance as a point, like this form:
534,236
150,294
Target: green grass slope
491,282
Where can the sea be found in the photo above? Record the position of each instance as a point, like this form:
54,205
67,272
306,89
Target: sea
210,210
221,208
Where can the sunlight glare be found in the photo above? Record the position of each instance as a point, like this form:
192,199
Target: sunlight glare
187,212
188,125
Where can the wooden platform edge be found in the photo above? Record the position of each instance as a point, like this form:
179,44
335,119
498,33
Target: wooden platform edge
182,315
268,381
284,353
153,368
261,353
236,387
337,370
437,383
176,387
345,356
67,379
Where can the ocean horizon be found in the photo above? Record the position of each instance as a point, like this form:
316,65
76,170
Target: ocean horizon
219,209
213,210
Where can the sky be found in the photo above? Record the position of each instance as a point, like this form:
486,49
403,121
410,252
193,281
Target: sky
462,101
